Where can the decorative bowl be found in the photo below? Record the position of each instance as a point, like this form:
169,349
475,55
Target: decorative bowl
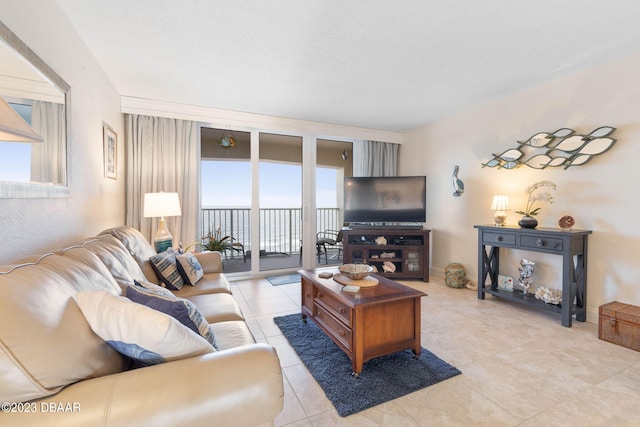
356,271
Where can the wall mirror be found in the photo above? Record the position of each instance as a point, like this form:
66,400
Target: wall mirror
41,98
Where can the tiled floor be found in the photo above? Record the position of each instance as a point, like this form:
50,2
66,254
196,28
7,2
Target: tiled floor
519,367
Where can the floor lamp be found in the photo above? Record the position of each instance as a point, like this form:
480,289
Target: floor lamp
160,205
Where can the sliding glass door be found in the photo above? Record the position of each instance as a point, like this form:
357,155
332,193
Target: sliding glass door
226,195
280,201
333,163
272,198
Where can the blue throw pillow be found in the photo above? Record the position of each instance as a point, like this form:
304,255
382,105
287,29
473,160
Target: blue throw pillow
189,268
183,310
164,264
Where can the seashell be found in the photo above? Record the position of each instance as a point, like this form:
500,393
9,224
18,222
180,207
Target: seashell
550,296
381,240
566,222
388,267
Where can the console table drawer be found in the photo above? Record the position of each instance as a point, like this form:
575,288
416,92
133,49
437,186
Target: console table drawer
340,310
499,238
334,327
541,243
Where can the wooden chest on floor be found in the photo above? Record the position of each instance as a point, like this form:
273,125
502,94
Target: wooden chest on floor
619,323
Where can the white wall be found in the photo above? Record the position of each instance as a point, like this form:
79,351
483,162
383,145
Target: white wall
30,226
602,195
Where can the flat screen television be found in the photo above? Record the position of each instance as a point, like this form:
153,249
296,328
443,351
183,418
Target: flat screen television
385,200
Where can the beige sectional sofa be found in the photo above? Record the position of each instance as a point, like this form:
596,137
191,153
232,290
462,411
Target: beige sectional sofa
58,363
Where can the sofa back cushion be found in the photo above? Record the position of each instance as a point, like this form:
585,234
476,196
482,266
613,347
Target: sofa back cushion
45,341
138,246
122,266
101,276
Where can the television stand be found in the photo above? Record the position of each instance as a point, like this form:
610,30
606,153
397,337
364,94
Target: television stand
406,249
387,226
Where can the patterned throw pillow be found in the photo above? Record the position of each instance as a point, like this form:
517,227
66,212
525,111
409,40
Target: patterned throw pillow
165,267
141,333
160,299
189,268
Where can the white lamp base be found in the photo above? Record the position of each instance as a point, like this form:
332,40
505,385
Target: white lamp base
163,239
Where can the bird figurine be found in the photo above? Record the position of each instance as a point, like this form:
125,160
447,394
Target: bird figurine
458,185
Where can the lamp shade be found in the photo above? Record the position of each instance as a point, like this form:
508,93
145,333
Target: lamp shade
13,128
500,203
161,205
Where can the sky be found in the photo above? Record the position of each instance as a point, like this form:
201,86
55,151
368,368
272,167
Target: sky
15,157
280,185
15,162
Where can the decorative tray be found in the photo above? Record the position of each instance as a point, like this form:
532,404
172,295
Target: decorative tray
368,281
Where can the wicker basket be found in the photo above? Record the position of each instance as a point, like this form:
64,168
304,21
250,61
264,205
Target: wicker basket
455,276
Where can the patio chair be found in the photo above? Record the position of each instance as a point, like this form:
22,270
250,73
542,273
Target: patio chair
235,247
326,240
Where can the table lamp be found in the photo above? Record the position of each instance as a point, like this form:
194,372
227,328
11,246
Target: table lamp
500,205
159,205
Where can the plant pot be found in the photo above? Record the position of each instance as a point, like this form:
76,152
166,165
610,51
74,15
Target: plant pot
528,222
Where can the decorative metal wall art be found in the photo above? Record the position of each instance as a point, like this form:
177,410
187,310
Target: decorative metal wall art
560,148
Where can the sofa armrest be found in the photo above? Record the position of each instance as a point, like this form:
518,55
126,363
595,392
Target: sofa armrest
240,387
211,262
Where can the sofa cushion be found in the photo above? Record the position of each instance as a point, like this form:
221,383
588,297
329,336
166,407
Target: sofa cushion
139,332
103,277
124,269
163,300
45,341
211,283
138,246
165,266
232,334
217,307
189,268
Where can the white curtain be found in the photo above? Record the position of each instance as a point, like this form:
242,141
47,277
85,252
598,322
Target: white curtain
163,155
374,158
49,159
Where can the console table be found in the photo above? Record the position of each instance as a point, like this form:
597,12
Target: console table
570,244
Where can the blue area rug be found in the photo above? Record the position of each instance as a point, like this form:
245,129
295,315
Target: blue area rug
284,280
382,379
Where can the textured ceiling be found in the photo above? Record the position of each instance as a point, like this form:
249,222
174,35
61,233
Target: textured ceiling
388,65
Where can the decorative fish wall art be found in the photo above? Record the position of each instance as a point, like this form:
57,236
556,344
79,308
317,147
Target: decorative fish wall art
562,148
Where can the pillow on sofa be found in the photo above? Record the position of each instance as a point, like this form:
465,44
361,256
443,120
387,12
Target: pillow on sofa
141,333
163,300
189,268
164,264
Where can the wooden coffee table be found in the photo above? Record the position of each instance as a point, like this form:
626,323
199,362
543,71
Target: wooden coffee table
373,322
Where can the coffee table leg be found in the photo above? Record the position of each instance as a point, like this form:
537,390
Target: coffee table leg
357,367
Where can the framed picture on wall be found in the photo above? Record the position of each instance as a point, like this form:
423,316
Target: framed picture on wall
110,145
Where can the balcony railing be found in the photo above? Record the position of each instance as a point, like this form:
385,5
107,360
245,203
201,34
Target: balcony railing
280,228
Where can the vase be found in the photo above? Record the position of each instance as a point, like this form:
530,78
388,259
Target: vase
528,222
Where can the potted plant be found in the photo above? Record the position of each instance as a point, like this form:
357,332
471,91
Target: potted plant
528,220
213,241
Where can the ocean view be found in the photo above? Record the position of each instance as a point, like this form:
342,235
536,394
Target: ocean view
228,206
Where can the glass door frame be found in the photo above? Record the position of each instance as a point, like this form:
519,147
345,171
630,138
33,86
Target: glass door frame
309,159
